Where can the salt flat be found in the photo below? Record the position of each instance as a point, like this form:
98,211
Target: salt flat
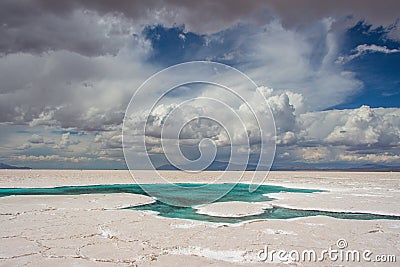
92,230
233,208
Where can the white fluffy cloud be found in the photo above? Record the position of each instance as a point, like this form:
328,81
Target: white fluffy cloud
367,127
66,141
361,128
51,158
68,90
36,139
363,49
376,158
109,140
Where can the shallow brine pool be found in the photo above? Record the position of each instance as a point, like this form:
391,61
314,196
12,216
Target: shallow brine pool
239,192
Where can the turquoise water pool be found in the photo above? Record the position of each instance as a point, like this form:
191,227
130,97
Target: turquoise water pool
239,192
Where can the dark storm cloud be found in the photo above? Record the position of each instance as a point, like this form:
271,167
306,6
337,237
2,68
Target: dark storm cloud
224,12
36,27
42,25
67,90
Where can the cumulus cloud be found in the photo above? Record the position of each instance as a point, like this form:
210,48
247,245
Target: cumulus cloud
283,112
24,146
224,128
36,139
67,141
109,140
68,90
50,158
286,139
45,118
376,158
363,49
364,127
315,154
353,137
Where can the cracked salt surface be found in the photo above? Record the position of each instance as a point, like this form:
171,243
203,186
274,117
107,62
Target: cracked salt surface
233,209
233,256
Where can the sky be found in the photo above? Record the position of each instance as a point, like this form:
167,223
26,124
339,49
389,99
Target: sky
329,71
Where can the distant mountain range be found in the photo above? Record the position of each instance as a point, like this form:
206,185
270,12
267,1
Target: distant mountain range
375,167
6,166
215,166
220,166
